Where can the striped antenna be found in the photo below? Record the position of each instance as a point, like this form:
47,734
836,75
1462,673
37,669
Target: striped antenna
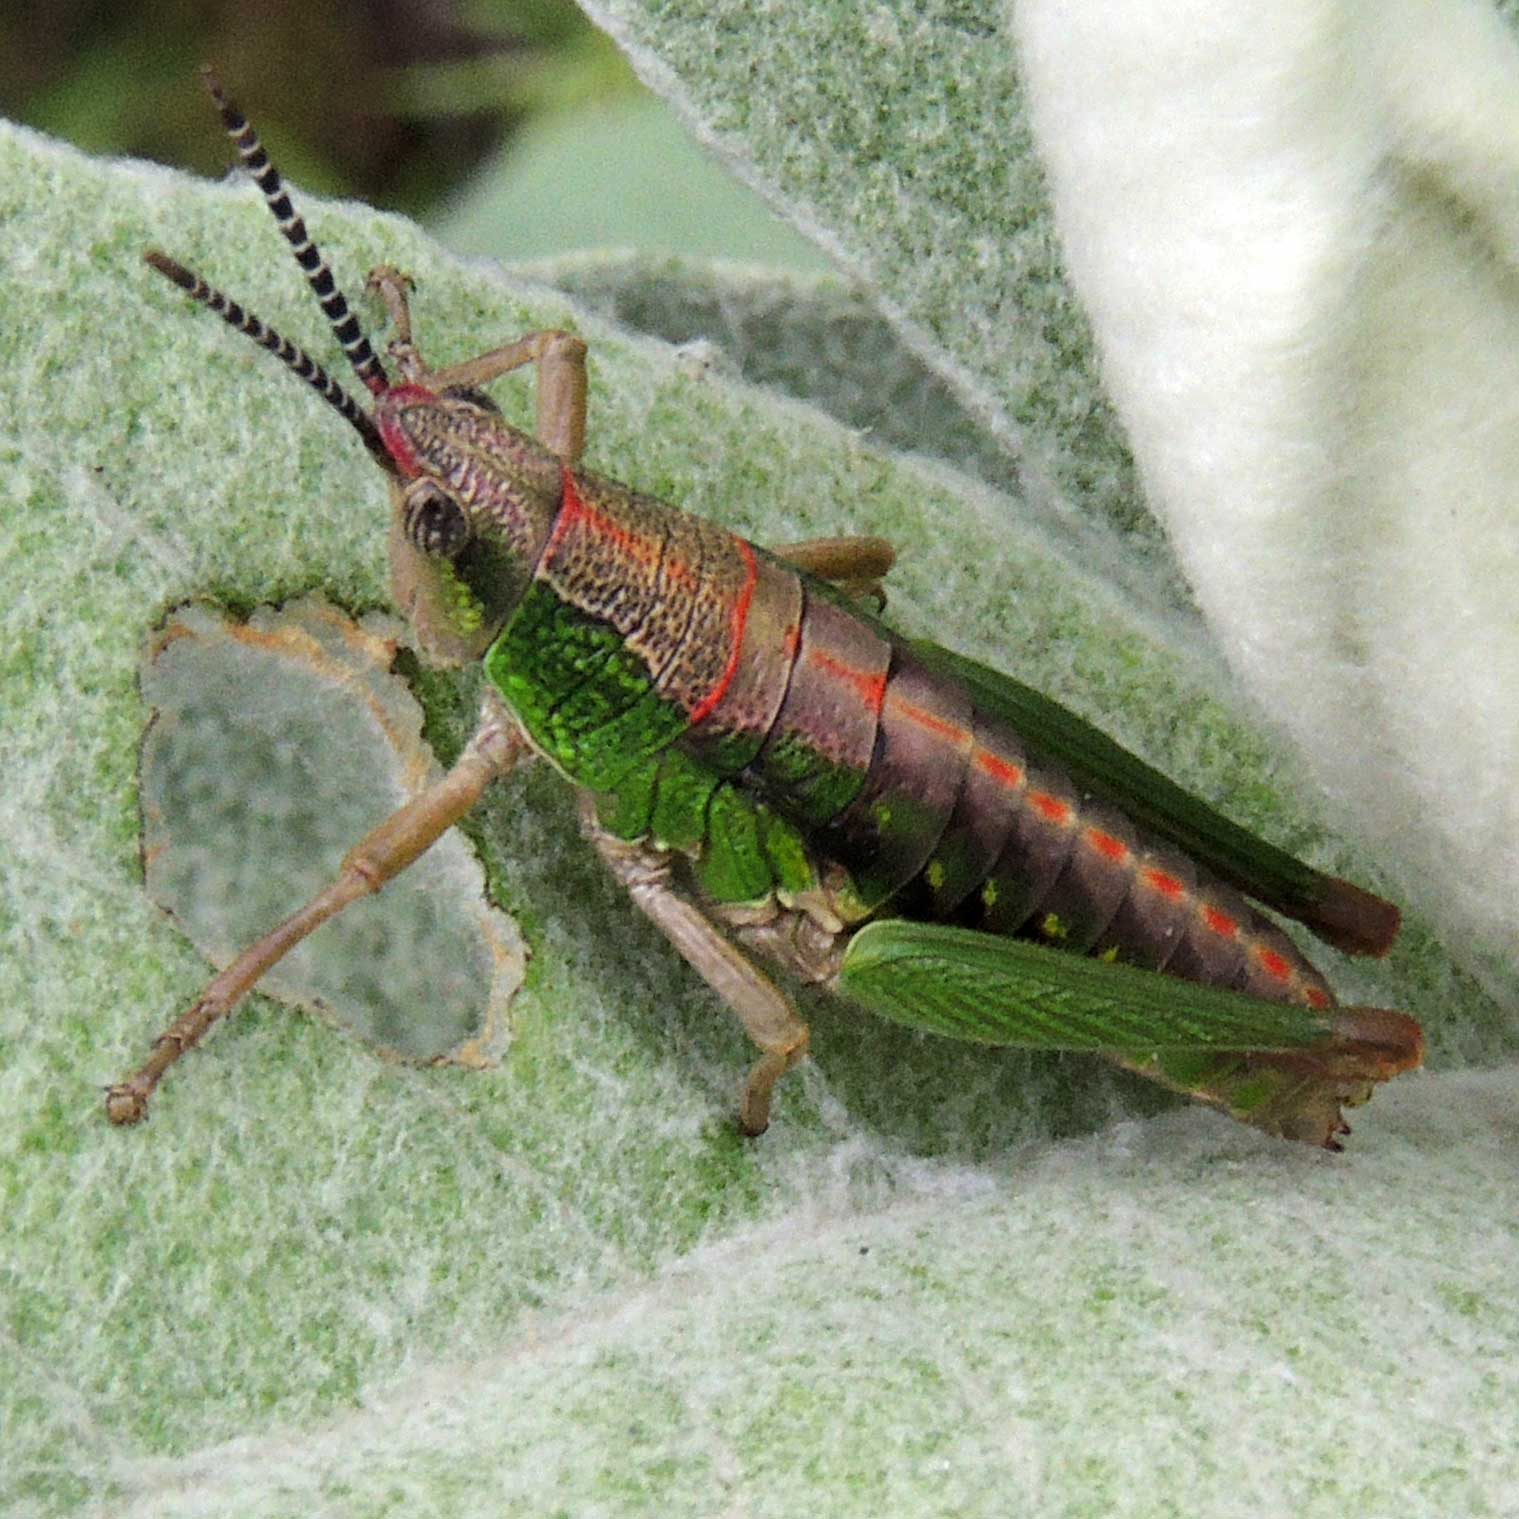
345,325
282,348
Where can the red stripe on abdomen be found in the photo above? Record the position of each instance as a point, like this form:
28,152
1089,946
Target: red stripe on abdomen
954,734
867,685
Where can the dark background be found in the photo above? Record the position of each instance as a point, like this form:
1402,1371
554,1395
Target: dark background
393,101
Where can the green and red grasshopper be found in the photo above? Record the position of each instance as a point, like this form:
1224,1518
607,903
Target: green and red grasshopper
776,776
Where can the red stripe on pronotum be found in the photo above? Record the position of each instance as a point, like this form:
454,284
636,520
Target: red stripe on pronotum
1316,996
740,621
633,545
571,510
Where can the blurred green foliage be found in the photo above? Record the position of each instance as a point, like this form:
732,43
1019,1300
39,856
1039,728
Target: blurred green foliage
623,174
395,101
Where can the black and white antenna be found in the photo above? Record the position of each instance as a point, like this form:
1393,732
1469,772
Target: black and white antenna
344,324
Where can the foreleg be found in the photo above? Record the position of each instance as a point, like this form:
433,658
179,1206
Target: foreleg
380,856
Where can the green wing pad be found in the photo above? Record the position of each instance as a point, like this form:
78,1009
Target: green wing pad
743,850
790,860
664,797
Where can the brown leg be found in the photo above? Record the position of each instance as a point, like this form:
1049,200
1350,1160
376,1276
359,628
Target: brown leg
856,565
394,289
380,856
560,357
765,1011
840,558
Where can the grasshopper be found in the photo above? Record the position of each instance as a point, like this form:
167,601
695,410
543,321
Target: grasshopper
782,782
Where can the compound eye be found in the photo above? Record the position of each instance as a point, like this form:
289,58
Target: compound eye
433,521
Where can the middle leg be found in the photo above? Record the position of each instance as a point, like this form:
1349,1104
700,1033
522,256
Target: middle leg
766,1012
856,565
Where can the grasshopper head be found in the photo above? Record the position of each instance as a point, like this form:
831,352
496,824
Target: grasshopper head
472,497
473,502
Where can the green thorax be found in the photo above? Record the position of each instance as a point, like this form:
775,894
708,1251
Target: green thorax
627,635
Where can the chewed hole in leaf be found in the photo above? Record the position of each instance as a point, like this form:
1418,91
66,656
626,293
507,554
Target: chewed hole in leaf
272,747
